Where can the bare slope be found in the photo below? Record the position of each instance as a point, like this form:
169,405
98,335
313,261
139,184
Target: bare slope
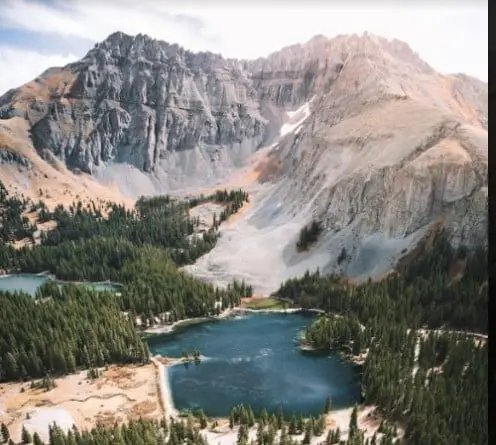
25,173
390,148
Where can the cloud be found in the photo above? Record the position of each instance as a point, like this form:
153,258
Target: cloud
19,66
450,36
94,21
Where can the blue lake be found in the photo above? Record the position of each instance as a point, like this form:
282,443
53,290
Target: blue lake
255,360
29,283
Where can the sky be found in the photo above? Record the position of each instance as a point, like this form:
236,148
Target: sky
450,35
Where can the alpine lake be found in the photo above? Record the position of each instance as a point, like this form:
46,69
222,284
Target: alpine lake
255,359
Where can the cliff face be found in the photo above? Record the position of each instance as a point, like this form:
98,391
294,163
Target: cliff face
137,100
364,135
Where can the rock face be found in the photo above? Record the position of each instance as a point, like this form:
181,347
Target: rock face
138,101
380,148
390,148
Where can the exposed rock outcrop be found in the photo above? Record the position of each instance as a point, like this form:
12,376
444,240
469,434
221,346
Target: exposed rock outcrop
138,100
364,136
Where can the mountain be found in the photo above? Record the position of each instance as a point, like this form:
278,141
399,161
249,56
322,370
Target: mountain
356,132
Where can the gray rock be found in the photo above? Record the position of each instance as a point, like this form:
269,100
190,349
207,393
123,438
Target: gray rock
136,100
8,156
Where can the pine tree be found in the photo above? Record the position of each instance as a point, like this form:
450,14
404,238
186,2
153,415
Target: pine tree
353,428
300,424
292,426
5,433
36,439
284,438
280,418
242,434
264,416
260,433
327,408
251,417
270,435
203,419
308,433
25,436
330,437
374,439
319,426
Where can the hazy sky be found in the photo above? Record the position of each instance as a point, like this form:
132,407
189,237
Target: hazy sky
452,36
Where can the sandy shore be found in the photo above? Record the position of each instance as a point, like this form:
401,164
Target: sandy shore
121,394
164,390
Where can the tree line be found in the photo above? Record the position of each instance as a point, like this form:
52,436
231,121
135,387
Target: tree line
423,292
190,431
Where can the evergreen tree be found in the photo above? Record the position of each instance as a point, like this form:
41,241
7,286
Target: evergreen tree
353,428
36,439
5,433
327,408
242,434
26,437
280,418
292,426
308,433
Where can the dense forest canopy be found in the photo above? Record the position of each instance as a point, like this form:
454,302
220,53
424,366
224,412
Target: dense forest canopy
76,327
158,221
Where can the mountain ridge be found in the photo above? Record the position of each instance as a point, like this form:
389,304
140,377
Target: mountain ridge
356,131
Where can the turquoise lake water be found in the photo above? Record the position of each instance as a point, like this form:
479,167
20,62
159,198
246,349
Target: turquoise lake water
30,282
255,359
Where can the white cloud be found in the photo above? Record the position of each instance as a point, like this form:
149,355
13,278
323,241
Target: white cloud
452,37
19,66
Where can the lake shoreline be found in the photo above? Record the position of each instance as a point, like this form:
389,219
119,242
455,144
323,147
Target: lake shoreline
225,314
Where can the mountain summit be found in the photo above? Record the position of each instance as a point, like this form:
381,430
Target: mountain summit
356,132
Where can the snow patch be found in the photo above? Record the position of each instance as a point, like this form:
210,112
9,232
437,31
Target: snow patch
296,119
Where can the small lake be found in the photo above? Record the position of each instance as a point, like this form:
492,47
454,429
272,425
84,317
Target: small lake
30,282
255,360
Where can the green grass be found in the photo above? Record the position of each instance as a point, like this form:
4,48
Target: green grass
267,304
